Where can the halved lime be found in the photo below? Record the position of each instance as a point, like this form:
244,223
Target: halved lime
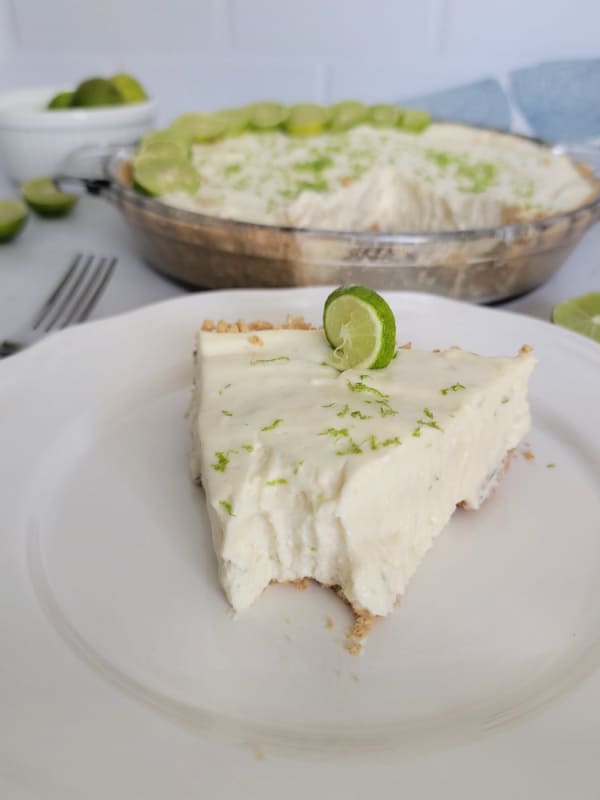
414,120
198,127
156,176
163,148
384,115
267,116
130,89
60,100
580,314
360,326
306,119
45,199
96,92
346,115
13,214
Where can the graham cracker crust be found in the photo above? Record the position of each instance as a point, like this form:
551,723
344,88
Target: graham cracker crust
293,323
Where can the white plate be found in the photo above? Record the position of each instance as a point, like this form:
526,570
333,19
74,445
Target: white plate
124,675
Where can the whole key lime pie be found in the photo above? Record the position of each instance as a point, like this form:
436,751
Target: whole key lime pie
350,167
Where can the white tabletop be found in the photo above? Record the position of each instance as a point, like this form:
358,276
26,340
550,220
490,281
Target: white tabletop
32,264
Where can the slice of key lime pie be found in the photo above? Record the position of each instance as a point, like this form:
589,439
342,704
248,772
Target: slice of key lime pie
317,466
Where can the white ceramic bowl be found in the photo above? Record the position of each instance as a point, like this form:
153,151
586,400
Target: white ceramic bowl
35,141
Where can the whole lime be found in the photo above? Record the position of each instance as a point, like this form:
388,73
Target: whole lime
130,89
96,92
61,100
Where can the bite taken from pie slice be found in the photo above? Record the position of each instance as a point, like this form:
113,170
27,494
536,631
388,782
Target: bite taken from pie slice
342,476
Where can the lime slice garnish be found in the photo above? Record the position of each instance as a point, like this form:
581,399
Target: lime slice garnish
167,135
306,119
414,120
130,89
45,199
12,218
384,115
360,326
163,148
157,176
61,100
580,314
347,114
198,127
266,116
96,92
233,120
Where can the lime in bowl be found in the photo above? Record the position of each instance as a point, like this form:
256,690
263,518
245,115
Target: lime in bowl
36,139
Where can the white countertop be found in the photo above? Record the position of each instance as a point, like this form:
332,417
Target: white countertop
32,264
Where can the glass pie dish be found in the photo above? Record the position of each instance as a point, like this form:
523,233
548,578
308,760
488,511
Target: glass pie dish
481,265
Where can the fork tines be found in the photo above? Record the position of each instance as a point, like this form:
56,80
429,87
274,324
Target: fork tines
76,294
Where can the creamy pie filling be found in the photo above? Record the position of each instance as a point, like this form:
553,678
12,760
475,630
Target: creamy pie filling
449,177
344,477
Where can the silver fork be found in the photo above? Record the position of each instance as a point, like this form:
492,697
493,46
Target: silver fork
71,301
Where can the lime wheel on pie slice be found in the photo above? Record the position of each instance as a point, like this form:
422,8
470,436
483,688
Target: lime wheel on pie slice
360,327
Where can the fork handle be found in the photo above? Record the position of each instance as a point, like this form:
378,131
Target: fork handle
8,348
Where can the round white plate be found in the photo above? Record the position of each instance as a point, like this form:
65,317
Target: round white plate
123,673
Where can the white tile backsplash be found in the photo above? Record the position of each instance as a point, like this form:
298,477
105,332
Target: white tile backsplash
98,26
8,29
353,29
210,53
391,81
515,33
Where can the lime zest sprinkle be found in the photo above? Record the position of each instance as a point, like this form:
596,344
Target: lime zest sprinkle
327,405
473,176
387,411
391,442
344,411
273,425
297,467
359,415
333,366
505,400
227,506
430,422
317,185
417,432
550,466
223,460
359,386
226,413
336,433
227,386
247,447
456,387
268,360
315,166
353,449
276,482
